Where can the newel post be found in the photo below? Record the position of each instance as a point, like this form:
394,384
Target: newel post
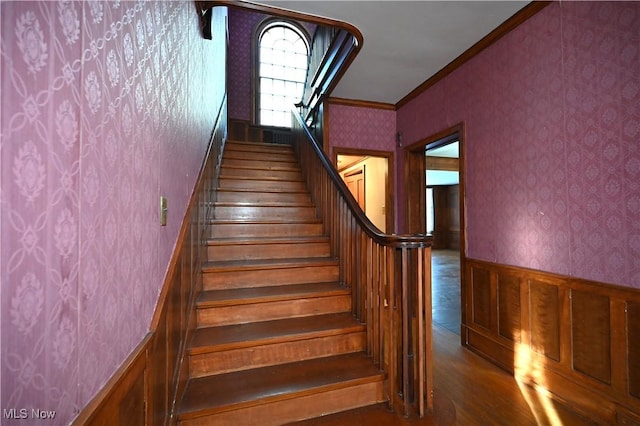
411,359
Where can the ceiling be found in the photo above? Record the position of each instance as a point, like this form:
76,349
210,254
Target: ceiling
405,42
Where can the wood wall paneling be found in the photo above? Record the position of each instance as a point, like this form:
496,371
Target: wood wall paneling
446,203
442,163
132,409
481,294
633,341
121,390
545,319
591,334
579,339
509,311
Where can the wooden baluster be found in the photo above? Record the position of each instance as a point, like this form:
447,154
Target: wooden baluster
392,349
428,328
405,331
421,330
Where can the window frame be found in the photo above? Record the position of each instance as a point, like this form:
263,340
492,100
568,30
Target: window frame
259,30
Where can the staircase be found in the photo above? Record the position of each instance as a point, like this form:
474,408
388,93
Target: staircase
275,339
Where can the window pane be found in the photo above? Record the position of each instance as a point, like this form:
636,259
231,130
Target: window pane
266,116
300,62
266,70
266,85
290,88
266,55
266,101
278,86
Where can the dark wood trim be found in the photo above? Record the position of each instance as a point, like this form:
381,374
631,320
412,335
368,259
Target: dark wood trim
415,182
442,163
107,401
575,336
361,103
521,16
326,142
203,6
391,173
282,12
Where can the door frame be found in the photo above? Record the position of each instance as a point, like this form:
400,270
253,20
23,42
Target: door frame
415,166
390,184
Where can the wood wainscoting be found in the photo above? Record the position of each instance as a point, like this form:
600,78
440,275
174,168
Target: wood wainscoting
576,339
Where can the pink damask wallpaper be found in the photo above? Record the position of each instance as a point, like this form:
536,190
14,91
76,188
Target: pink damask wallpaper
552,119
106,105
241,25
361,127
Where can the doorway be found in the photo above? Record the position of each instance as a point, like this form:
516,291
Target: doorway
435,205
369,176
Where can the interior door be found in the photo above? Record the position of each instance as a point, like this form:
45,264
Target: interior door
355,182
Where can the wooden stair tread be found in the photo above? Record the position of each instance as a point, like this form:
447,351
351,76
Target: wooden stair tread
223,392
269,165
267,240
262,178
268,263
250,144
275,221
263,204
238,296
275,331
276,190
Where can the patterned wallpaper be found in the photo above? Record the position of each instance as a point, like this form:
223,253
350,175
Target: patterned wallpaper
552,116
105,107
361,127
241,25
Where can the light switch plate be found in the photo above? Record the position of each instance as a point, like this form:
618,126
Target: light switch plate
163,210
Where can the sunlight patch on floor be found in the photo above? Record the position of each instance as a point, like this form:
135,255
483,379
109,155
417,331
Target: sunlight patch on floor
529,374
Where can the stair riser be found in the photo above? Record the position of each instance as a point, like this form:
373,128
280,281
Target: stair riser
253,156
263,147
279,353
231,172
260,163
263,197
261,185
265,230
242,314
268,251
264,213
285,411
218,280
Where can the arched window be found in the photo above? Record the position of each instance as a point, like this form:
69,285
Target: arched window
283,51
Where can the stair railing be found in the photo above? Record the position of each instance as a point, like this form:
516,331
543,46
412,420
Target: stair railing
331,50
389,277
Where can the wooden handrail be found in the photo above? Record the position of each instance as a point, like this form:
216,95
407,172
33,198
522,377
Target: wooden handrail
394,240
389,277
332,51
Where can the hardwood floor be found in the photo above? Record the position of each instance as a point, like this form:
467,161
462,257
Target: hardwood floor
445,281
469,390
